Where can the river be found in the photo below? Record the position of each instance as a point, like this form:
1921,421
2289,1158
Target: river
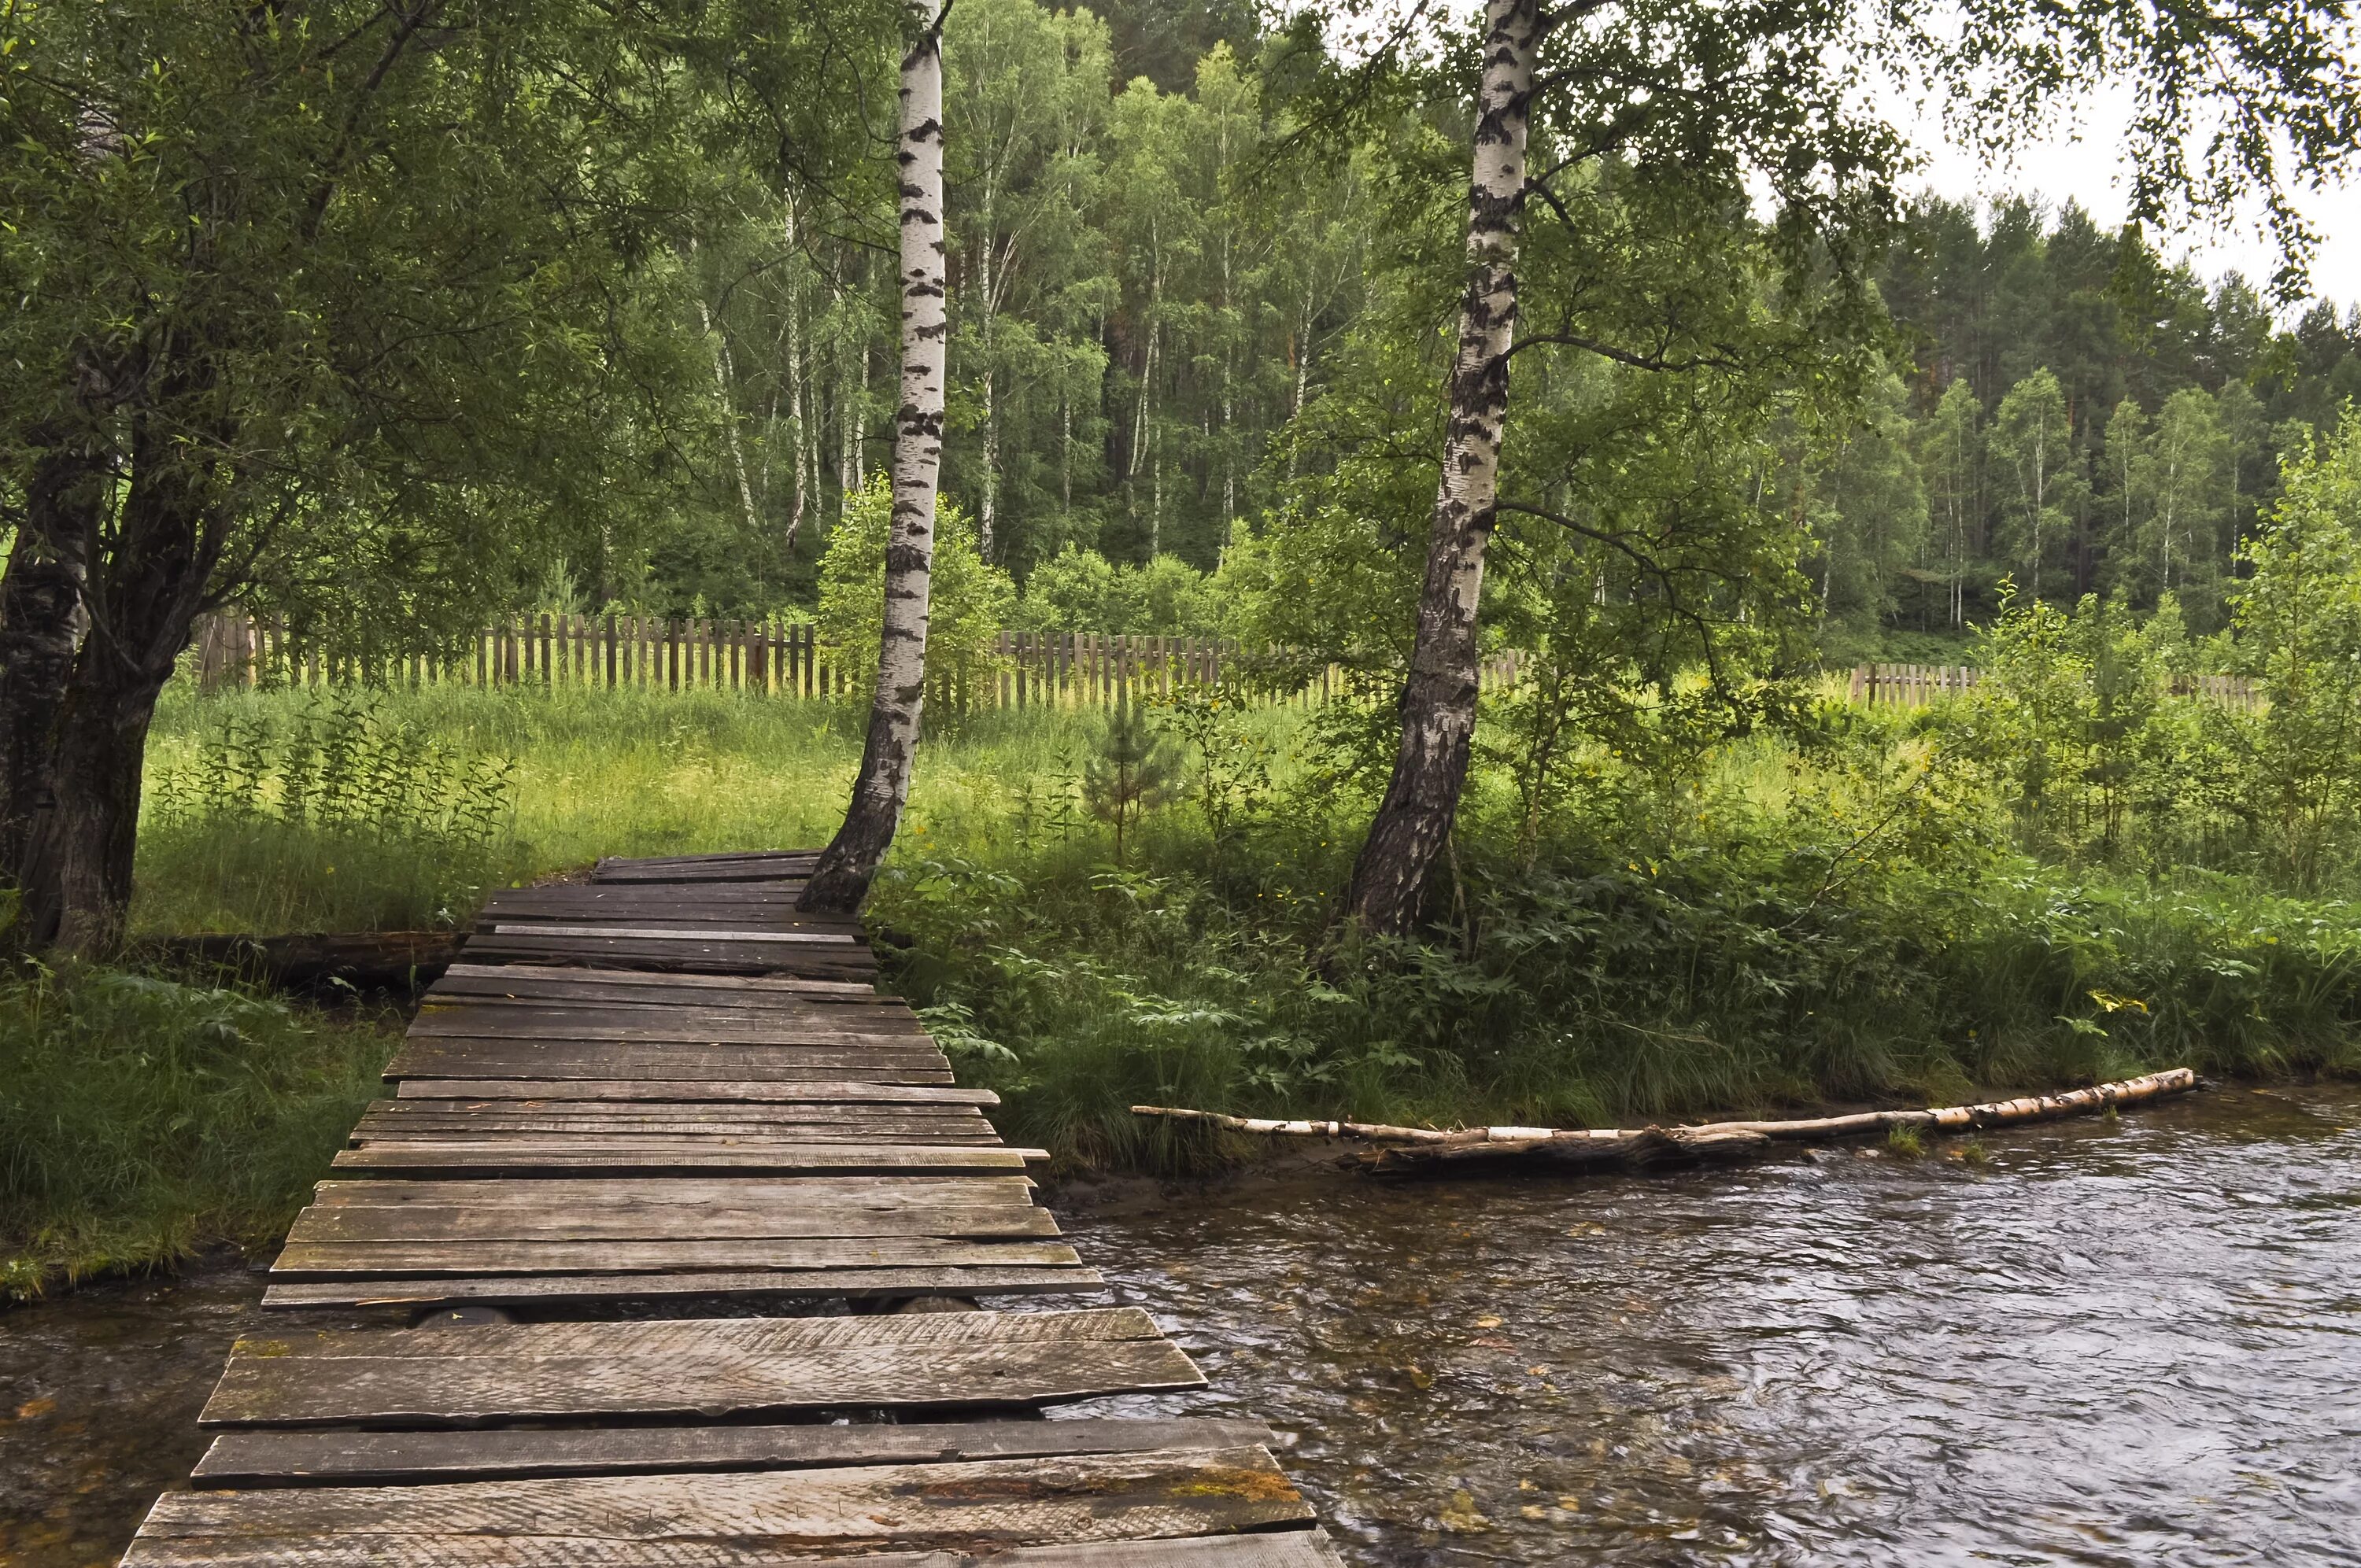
2134,1342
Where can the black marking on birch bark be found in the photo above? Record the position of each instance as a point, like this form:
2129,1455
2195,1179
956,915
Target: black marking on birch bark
1438,699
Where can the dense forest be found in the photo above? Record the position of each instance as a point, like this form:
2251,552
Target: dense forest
1147,293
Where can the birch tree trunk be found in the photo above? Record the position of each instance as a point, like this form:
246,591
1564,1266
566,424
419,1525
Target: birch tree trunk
724,385
1438,702
804,462
841,878
987,307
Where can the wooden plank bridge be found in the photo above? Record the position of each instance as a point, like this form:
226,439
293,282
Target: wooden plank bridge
641,1112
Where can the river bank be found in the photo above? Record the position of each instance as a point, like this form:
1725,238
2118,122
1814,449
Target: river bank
2113,1343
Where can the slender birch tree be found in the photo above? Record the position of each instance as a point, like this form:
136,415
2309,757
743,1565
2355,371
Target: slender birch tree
846,868
1696,109
1438,702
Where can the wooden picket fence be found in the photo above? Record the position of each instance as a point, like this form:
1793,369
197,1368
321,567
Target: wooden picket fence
1917,685
771,658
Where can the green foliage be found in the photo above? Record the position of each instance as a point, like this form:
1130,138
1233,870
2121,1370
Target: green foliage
1868,513
971,603
2298,622
2078,722
2032,446
1833,905
142,1118
216,213
2097,730
344,762
1132,772
1081,590
1767,958
380,822
1231,756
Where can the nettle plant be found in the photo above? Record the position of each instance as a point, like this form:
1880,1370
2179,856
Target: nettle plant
341,765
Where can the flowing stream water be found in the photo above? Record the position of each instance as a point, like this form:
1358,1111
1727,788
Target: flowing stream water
2129,1343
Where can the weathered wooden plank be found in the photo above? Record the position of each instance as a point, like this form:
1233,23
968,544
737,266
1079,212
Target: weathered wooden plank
476,1031
975,1505
723,957
780,915
911,1153
604,1065
596,1024
660,1012
414,1259
692,875
369,1136
830,1113
576,1290
410,1118
325,1222
716,931
751,985
638,1001
730,1192
656,1341
606,864
657,895
885,1123
610,1059
849,1048
691,1091
1269,1549
685,1370
645,1157
634,1002
339,1457
552,988
743,961
660,1007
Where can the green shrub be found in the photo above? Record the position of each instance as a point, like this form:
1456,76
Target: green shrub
969,602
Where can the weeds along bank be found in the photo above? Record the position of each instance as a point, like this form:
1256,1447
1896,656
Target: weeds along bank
352,810
144,1118
2008,890
2072,874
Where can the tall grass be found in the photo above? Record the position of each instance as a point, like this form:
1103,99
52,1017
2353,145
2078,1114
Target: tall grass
624,772
142,1118
1779,920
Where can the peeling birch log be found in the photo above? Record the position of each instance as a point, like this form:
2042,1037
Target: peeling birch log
1413,1148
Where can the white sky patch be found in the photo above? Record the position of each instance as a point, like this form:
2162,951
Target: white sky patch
2078,157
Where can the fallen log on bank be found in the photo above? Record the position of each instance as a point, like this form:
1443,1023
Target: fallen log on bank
1424,1148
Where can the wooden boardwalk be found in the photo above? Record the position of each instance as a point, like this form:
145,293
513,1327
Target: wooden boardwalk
641,1103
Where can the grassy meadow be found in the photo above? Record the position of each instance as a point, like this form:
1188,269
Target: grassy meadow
1850,907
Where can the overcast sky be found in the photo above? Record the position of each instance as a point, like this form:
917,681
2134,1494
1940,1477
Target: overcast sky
2086,166
2081,160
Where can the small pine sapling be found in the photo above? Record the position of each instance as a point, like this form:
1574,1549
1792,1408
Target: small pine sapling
1134,773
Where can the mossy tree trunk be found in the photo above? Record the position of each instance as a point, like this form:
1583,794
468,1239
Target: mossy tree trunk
41,617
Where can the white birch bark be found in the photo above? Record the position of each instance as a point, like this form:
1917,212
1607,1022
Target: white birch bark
987,512
795,368
1438,702
841,878
724,383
